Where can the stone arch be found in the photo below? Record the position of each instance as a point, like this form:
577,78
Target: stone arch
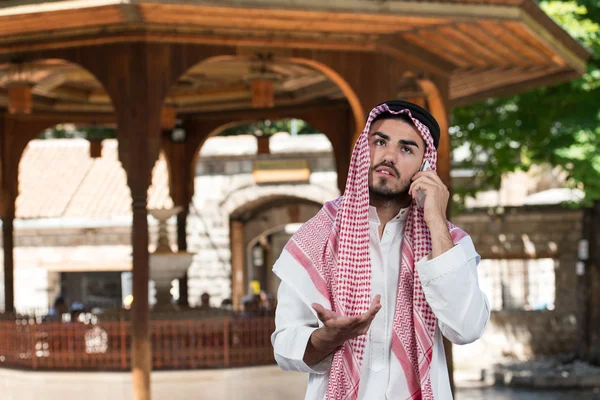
249,196
260,218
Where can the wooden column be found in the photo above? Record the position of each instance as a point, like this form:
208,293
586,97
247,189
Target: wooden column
138,79
238,258
8,246
370,78
437,105
182,246
339,127
143,72
14,136
436,91
182,230
141,351
180,159
181,183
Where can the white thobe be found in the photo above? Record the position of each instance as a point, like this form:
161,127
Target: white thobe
451,288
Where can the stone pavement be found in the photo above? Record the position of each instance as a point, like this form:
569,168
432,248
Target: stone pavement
471,389
259,383
503,393
546,373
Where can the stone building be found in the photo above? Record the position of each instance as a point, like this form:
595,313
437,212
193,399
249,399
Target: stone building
73,238
73,224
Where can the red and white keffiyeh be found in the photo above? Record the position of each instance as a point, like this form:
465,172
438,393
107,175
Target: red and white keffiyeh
333,248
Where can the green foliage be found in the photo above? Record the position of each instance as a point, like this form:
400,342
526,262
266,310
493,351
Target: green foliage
268,128
558,125
70,131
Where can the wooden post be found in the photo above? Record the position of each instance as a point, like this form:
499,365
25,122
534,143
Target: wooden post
123,341
339,128
143,72
13,139
182,246
180,158
226,335
237,262
8,245
182,230
437,104
141,359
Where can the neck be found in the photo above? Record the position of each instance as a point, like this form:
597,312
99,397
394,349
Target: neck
388,207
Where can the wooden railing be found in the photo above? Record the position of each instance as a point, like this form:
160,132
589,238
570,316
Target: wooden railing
219,342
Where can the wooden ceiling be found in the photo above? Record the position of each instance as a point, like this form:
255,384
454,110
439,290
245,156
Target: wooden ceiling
485,47
59,86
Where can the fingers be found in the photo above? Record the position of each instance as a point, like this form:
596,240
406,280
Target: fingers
429,173
425,182
358,324
373,310
376,303
322,313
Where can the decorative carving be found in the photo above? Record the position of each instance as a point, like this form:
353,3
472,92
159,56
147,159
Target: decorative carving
19,98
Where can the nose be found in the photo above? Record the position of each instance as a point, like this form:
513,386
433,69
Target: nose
390,156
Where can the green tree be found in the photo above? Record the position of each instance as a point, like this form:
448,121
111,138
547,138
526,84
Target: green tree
70,131
268,127
558,125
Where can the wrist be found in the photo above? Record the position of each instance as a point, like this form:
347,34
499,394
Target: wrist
437,224
325,340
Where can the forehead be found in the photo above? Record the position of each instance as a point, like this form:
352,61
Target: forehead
395,128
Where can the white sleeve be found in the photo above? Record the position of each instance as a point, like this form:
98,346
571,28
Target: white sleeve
294,324
452,290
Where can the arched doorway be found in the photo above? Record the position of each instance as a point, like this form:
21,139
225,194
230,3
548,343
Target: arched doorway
267,224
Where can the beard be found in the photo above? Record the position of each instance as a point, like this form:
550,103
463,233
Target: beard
381,189
381,193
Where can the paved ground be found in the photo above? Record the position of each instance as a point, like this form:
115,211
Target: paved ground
261,383
500,393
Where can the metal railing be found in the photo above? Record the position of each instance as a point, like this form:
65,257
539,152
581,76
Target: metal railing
105,345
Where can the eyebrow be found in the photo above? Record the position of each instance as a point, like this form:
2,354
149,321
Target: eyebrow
402,141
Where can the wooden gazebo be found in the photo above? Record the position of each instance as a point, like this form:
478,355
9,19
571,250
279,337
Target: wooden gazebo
143,64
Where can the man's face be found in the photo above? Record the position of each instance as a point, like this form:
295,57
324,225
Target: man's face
397,151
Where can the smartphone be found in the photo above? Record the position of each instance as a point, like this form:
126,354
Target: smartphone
420,193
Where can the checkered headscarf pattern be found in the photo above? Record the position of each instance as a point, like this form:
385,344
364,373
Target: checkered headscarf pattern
334,248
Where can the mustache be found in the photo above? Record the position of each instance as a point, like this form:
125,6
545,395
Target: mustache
388,165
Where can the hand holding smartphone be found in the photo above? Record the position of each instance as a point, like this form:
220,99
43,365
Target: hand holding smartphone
420,193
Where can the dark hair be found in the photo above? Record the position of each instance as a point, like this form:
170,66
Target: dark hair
387,115
398,117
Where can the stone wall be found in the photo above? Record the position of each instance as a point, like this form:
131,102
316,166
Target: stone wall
521,233
224,186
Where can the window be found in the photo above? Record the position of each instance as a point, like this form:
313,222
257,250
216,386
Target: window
525,284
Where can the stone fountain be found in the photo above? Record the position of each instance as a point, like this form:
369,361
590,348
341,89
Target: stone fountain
165,264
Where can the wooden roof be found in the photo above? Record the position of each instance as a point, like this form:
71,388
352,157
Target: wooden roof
486,47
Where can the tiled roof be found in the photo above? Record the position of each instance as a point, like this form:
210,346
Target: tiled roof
279,143
58,179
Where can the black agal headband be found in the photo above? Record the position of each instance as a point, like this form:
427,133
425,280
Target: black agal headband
419,113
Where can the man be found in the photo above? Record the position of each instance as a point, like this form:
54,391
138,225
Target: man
373,281
205,302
